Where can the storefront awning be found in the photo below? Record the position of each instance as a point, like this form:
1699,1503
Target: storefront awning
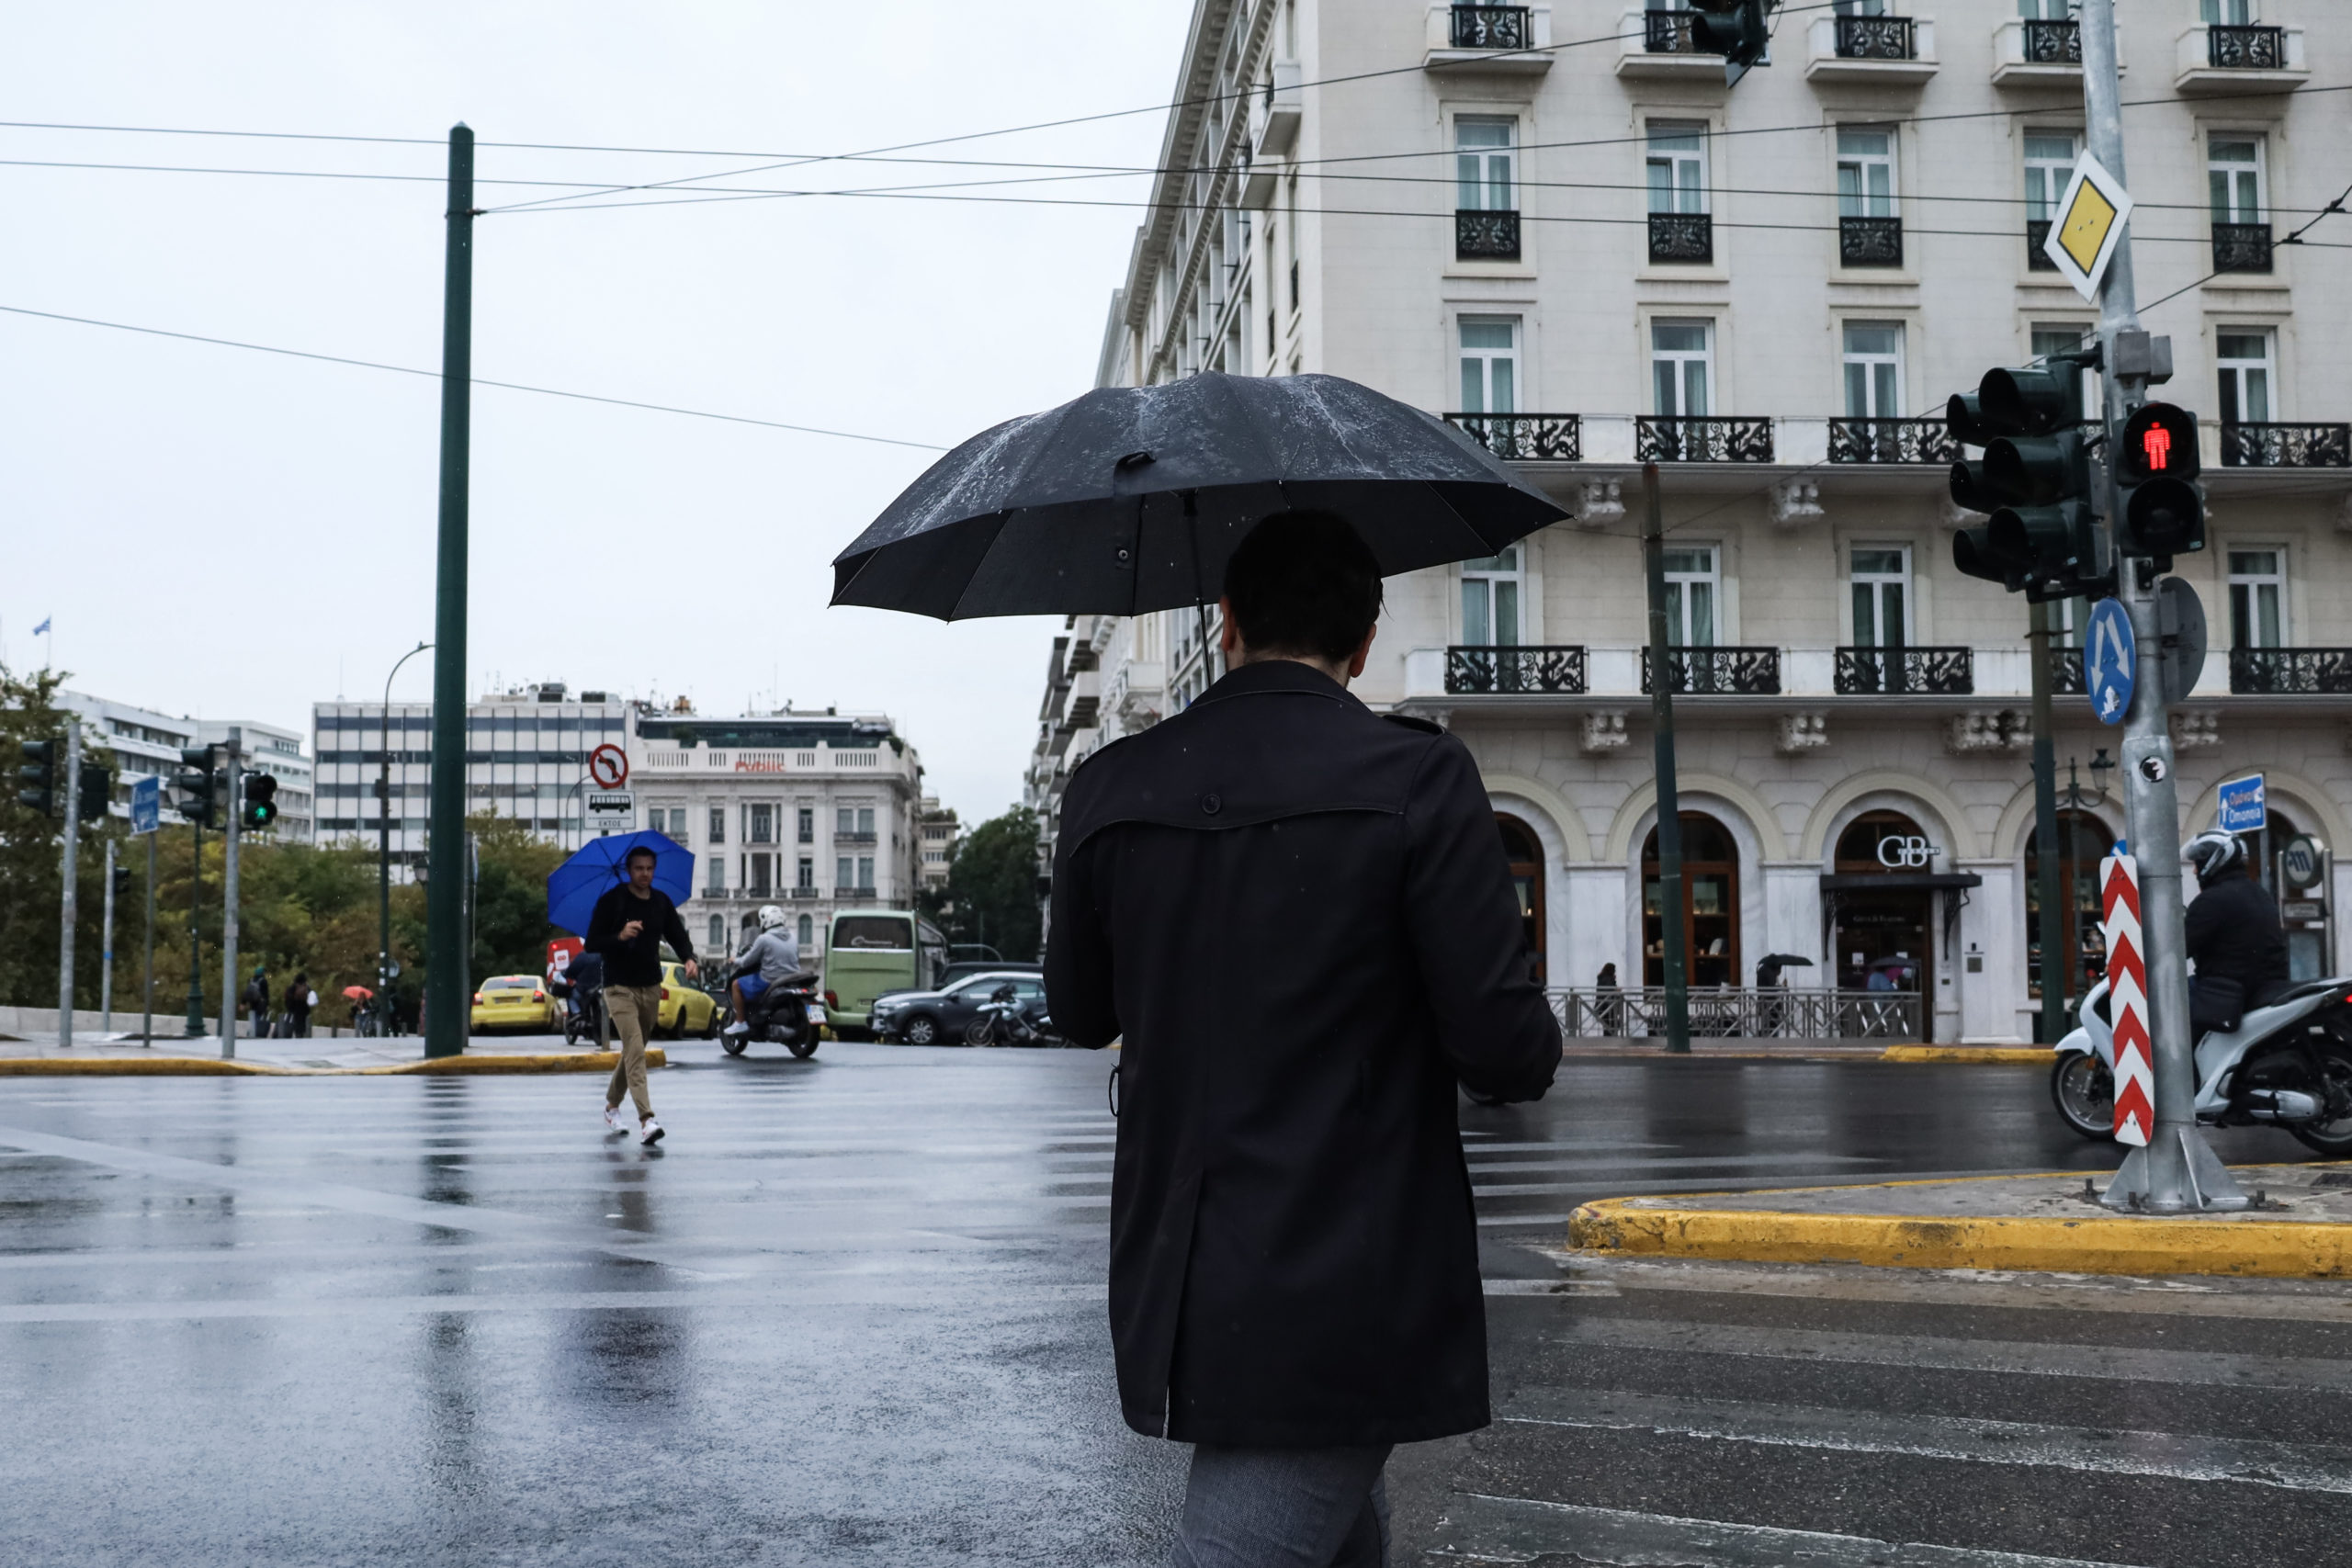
1899,881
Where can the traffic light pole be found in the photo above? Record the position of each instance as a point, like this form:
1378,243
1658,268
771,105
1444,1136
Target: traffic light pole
232,752
68,905
448,982
106,948
2045,824
195,931
1669,802
2176,1171
147,990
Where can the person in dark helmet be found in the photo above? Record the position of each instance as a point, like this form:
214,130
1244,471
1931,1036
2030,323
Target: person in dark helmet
2234,934
1296,915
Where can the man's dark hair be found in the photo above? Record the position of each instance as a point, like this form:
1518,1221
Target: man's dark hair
636,849
1304,582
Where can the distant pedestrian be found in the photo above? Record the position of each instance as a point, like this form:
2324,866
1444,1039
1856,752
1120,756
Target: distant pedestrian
300,1000
1609,1002
255,996
1297,915
626,931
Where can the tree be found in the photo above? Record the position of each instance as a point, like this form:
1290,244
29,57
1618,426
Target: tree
993,887
32,859
511,927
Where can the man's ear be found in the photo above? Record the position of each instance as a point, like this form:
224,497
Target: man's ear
1363,652
1228,637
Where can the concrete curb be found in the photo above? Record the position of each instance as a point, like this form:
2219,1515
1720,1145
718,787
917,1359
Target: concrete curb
2093,1243
209,1067
1993,1055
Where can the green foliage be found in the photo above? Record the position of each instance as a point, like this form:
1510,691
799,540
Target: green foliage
511,930
993,887
32,858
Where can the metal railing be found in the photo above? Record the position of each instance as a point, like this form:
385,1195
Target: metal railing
1682,237
1900,671
1482,235
1494,671
1668,32
2241,247
2229,48
2290,671
1923,440
1700,438
2268,445
1874,37
1869,242
1490,27
2037,234
2053,41
1546,437
1638,1012
1719,671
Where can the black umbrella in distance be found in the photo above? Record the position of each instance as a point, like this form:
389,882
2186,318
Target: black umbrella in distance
1130,498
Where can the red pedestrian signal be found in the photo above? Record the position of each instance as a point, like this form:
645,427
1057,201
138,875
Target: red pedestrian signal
2163,512
2156,442
2159,440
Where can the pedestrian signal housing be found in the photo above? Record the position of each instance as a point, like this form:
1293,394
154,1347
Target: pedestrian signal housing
39,775
96,792
1736,29
261,801
199,787
2040,537
2163,507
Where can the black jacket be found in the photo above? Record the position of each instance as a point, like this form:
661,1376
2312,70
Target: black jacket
2235,932
637,961
1298,915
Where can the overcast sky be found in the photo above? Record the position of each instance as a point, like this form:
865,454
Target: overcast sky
230,535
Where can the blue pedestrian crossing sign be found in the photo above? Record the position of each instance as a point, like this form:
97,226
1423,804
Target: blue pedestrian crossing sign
2109,659
2244,807
146,804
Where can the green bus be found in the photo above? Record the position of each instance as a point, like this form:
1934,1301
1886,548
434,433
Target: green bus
870,951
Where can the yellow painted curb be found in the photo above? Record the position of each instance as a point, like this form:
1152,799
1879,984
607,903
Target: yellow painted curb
2010,1055
209,1067
2092,1245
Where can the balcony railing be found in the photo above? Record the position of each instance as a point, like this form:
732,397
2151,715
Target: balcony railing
1490,27
840,838
2291,672
1869,242
1668,32
2037,234
2053,41
1503,670
2245,49
1765,1012
1874,37
1901,671
1700,438
2241,247
2286,445
1718,671
1891,441
1682,237
1538,437
1486,235
2066,678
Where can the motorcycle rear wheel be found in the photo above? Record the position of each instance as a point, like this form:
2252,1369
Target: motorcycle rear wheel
803,1045
734,1044
2333,1137
2083,1090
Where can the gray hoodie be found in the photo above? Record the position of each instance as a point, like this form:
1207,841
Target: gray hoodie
775,953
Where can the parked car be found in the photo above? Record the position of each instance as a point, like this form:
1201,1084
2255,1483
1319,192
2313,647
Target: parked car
685,1007
516,1001
940,1017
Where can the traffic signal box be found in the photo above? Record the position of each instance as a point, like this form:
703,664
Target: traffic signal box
2033,483
96,792
39,775
260,807
199,788
2163,507
1735,29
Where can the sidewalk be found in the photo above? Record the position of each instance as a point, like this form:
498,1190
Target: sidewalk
1589,1046
118,1056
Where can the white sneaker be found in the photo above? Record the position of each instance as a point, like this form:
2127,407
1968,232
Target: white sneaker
651,1133
739,1027
614,1120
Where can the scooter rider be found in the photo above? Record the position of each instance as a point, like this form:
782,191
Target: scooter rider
773,957
2233,929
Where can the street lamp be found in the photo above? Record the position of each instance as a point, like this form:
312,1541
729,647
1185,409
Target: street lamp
2100,766
384,835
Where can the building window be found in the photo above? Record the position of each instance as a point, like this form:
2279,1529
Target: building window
1489,363
1709,905
2049,164
1692,587
760,875
865,821
1865,172
2259,598
2226,12
807,824
1881,588
807,879
866,870
717,935
843,869
1681,356
1483,164
1678,166
2233,176
718,825
718,875
759,827
1873,370
807,934
2245,362
844,820
1490,600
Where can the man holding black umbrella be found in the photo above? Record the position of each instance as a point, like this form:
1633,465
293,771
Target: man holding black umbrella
631,923
1297,916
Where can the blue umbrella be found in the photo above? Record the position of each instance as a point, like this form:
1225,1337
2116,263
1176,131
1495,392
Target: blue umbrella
602,865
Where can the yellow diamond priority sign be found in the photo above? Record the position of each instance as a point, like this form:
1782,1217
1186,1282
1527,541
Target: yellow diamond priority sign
2089,225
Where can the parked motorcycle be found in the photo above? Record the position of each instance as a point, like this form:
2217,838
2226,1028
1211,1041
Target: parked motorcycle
786,1014
2286,1066
1002,1020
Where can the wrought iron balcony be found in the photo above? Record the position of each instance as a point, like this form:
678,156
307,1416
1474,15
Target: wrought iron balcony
2066,678
1891,441
1486,235
1493,671
1869,242
1700,438
2245,49
1539,437
2286,445
1668,32
2291,672
1874,37
1898,672
1718,671
2037,233
2241,247
1490,27
1682,237
2053,41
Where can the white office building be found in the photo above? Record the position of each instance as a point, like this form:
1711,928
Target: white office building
145,743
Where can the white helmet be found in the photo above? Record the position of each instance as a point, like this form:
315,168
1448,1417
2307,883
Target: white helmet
771,917
2214,855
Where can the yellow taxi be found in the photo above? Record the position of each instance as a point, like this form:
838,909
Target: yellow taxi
685,1007
517,1001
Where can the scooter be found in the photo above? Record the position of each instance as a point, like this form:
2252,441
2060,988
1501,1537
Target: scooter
1002,1020
786,1014
2287,1065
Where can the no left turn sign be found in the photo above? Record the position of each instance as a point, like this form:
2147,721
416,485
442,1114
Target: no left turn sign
608,766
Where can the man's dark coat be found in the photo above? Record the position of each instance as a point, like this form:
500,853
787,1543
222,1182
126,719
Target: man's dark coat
1298,915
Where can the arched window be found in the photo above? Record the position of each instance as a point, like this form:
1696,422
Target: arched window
1525,854
1709,905
2083,841
717,932
1879,935
808,936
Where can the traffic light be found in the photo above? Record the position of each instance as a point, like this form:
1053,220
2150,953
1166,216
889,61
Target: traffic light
39,775
1733,28
199,787
2155,474
97,792
260,808
121,883
2033,483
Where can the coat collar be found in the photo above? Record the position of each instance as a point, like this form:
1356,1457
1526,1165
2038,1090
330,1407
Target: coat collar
1278,676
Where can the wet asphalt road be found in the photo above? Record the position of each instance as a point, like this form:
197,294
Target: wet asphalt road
852,1313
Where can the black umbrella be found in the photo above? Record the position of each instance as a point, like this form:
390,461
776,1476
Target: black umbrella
1129,499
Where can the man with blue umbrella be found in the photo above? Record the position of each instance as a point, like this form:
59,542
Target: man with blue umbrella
627,930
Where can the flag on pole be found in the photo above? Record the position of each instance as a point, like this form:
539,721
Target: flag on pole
42,629
2127,997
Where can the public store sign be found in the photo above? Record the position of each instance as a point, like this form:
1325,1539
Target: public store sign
2088,226
2244,807
2110,657
2127,985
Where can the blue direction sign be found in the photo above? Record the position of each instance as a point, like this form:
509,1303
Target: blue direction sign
2245,808
146,805
2110,658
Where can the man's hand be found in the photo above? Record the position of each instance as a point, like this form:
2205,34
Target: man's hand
629,932
693,970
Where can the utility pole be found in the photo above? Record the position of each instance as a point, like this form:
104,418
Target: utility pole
106,950
232,755
2176,1170
2045,831
194,932
447,979
68,904
1670,801
147,991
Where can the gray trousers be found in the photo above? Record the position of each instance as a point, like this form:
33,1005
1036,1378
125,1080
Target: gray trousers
1285,1508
